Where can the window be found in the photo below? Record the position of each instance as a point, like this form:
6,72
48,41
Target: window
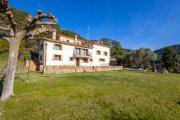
91,60
98,52
57,47
85,52
78,51
105,53
57,57
101,60
71,59
85,60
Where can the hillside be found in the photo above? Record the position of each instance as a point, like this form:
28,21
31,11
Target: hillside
175,47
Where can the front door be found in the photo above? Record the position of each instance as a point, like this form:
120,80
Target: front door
77,62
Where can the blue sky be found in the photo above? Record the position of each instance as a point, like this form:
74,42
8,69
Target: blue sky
135,23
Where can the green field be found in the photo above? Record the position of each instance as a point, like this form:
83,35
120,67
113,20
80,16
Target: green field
112,95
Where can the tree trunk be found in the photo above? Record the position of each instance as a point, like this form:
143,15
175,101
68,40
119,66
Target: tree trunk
8,84
142,66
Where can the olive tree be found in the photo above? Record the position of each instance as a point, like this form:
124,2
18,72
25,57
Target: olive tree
14,36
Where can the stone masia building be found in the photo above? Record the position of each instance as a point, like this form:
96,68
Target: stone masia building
65,54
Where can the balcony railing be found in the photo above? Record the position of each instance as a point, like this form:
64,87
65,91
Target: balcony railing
82,54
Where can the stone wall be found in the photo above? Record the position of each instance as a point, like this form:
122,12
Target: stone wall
31,65
73,69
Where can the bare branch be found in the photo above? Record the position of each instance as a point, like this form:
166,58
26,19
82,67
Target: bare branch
4,5
11,20
45,23
33,22
39,30
5,29
8,29
5,8
4,36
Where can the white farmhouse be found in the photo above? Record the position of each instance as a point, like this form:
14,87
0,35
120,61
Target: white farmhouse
65,51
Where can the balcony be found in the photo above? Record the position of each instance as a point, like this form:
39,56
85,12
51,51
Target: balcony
81,54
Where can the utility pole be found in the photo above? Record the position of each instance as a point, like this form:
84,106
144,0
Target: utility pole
88,32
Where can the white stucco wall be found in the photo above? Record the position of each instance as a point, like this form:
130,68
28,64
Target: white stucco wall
96,57
66,53
86,64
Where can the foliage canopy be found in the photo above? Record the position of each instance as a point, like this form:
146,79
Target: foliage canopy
170,59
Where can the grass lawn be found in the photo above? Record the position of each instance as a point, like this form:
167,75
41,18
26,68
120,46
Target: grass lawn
104,95
20,63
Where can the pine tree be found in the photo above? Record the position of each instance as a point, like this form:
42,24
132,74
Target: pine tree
170,59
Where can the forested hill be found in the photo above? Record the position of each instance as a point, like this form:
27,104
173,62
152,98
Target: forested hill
175,47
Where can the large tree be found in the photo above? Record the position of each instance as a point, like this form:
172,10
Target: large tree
106,41
14,34
139,58
117,51
170,59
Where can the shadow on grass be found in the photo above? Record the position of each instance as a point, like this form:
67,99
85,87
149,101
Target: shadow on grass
178,103
21,79
1,84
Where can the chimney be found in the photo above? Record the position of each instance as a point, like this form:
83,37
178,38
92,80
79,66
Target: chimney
75,39
58,37
54,34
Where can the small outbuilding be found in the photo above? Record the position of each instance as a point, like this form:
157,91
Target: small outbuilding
157,66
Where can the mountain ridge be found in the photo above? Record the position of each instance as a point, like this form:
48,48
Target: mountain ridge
175,47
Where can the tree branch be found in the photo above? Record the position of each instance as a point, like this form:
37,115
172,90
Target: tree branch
39,30
5,8
33,22
11,20
8,29
45,23
4,36
5,29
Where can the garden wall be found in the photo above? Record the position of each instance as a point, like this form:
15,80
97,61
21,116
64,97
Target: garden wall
73,69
